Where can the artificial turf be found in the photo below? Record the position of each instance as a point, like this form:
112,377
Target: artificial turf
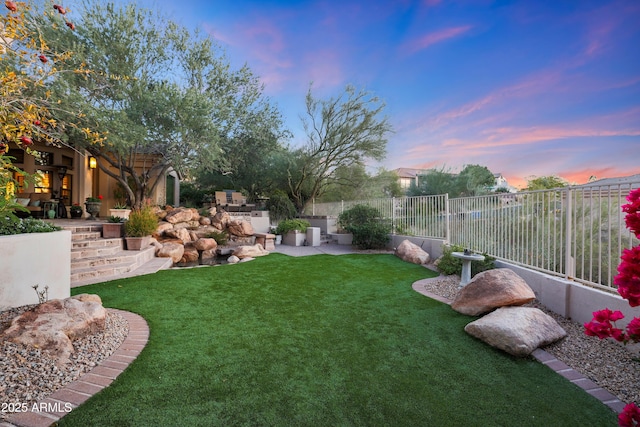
318,341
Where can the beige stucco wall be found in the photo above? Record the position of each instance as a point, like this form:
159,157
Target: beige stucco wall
42,259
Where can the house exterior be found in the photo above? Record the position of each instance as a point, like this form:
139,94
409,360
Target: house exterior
70,177
408,176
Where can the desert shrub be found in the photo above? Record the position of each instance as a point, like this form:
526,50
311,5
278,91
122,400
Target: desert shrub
142,222
369,229
448,264
280,206
220,237
292,224
11,224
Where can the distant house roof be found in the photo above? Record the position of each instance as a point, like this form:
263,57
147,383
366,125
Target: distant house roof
613,181
409,172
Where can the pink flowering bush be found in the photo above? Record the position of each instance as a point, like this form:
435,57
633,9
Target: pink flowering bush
628,282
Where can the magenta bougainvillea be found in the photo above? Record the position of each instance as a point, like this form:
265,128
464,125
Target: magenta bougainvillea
628,282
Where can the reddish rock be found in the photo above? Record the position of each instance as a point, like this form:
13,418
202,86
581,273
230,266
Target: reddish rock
240,228
177,215
491,289
190,254
53,325
250,251
410,252
205,243
171,250
220,220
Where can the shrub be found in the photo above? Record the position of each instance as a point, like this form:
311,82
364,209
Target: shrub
280,206
448,264
10,224
115,219
141,222
292,224
369,229
220,237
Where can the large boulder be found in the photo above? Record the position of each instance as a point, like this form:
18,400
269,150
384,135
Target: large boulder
250,251
177,215
171,250
53,325
220,220
516,330
205,243
240,228
410,252
163,226
190,254
180,233
492,289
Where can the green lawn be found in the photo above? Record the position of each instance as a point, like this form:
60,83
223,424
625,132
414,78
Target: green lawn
318,341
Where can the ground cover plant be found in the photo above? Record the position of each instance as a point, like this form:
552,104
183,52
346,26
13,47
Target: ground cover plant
321,340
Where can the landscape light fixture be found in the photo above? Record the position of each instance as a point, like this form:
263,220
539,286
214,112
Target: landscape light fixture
93,162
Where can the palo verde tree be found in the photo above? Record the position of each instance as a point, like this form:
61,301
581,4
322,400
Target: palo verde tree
165,97
341,132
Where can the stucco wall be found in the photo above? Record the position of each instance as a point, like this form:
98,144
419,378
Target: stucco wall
42,259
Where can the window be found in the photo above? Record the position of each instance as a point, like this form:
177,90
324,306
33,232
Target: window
43,181
43,158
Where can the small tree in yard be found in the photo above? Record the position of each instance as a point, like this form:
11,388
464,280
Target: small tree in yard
369,229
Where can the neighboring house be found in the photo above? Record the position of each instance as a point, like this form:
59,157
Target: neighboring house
69,176
407,176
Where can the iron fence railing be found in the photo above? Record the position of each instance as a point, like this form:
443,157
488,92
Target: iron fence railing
576,232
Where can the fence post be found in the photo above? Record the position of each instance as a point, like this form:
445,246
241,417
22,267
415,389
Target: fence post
569,268
447,225
393,213
341,206
313,207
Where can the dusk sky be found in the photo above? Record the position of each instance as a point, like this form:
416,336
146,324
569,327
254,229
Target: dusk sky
526,88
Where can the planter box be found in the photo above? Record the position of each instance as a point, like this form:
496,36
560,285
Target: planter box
122,213
342,238
294,238
42,259
112,230
137,243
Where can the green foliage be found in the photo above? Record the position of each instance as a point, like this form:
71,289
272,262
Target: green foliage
545,183
288,225
448,264
10,224
115,219
220,237
369,229
342,131
280,206
473,180
142,222
191,195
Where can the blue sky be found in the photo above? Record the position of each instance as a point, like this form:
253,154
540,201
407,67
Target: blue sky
526,88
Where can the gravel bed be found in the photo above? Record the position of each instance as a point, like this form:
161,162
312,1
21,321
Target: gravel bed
28,375
609,364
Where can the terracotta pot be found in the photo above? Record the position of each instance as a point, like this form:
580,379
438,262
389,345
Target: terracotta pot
137,243
112,230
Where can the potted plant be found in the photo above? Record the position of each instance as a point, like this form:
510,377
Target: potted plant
112,229
75,210
92,204
142,223
121,210
293,231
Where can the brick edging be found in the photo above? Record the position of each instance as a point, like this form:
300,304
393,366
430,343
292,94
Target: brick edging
75,393
549,360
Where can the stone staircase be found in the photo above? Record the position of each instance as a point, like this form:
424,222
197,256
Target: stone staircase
94,259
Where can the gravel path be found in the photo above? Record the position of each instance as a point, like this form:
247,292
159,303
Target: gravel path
28,375
609,364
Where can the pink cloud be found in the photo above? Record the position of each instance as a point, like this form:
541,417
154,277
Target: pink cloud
427,40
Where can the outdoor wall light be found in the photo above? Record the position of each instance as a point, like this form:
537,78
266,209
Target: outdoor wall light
93,162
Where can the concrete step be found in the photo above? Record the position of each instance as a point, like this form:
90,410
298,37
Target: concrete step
91,248
98,269
151,266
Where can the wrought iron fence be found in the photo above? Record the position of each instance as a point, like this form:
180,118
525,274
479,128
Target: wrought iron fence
576,232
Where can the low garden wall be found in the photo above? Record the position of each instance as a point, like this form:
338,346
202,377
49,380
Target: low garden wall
42,259
571,299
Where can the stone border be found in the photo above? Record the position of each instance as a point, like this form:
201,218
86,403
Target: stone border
77,392
550,361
